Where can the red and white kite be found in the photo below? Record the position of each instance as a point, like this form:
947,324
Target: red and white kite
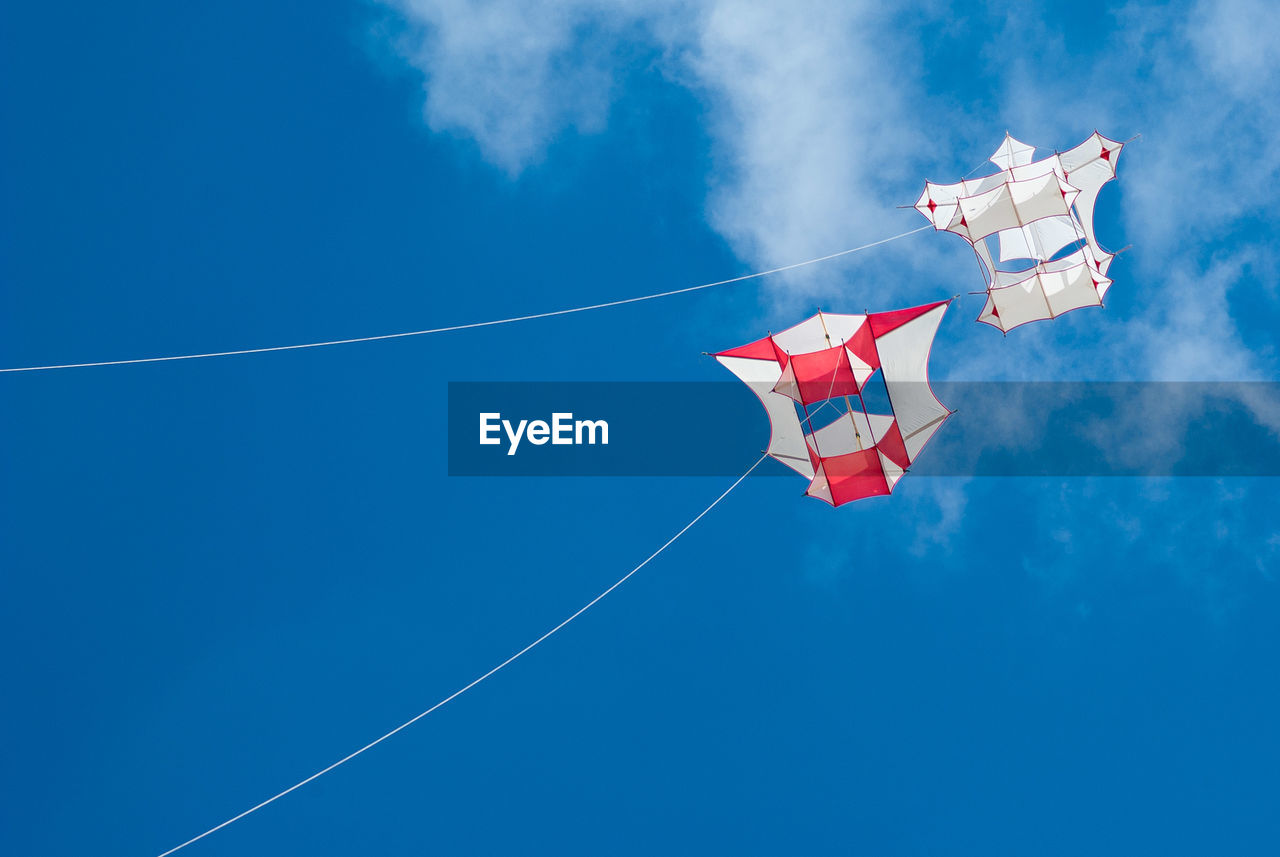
827,361
1032,210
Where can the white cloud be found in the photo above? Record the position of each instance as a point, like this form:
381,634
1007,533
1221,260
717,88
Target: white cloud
812,137
513,76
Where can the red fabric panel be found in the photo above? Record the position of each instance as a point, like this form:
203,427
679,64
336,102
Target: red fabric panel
825,374
893,446
863,345
761,349
883,322
854,476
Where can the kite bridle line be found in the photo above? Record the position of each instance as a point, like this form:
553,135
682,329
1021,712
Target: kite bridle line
583,609
472,325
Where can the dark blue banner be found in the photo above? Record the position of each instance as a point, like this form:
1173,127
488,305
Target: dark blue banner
998,429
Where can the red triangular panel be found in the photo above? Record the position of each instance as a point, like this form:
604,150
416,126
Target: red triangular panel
863,344
815,460
893,446
883,322
761,349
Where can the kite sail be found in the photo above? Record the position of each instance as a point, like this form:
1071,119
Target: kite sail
1032,210
825,363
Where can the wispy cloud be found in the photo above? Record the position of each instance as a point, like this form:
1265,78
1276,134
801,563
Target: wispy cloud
823,116
813,141
514,76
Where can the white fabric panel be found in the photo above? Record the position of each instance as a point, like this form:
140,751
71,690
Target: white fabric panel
1083,256
842,327
1012,205
892,472
1040,197
810,335
820,487
1012,153
1052,289
838,438
1019,304
861,371
1039,168
1087,154
944,197
786,436
1070,289
984,214
984,254
787,385
1040,239
987,317
904,359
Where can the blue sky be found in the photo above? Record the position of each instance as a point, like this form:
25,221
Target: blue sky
221,575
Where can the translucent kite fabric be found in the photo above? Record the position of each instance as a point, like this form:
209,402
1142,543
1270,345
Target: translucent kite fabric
1032,210
829,359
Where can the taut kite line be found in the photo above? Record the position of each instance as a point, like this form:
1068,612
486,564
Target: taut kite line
451,328
583,609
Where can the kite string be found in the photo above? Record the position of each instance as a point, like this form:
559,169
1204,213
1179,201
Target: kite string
477,681
472,325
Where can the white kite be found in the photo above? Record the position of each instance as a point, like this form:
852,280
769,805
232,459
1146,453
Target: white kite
1032,210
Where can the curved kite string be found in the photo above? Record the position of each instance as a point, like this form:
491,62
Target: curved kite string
472,325
477,681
